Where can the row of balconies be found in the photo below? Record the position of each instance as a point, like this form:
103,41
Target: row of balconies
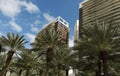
105,13
102,8
91,3
116,20
97,4
100,16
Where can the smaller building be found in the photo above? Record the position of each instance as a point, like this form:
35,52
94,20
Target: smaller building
76,37
76,30
60,25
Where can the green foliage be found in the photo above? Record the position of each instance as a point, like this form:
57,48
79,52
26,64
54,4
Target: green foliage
52,49
96,38
13,42
49,47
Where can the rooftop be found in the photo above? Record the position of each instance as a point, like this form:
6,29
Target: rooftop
61,20
80,5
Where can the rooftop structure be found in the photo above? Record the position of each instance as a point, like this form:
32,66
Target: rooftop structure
61,20
80,5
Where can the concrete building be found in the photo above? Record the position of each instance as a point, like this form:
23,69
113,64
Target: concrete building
60,25
100,10
76,30
97,10
76,37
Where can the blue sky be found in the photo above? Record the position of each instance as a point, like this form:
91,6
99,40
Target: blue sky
28,17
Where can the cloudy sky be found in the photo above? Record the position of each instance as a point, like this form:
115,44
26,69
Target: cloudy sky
28,17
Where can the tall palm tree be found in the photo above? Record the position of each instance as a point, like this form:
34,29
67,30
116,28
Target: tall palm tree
13,43
62,58
103,38
48,40
86,63
2,60
27,61
114,63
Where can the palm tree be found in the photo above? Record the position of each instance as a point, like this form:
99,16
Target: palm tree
13,43
27,61
86,61
62,58
103,38
114,64
2,60
48,40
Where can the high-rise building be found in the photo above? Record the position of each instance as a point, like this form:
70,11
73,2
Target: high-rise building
100,10
76,38
60,25
76,30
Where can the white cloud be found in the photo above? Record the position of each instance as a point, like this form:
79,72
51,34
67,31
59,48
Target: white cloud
15,26
34,29
71,42
31,8
1,34
37,22
0,21
30,36
48,17
12,8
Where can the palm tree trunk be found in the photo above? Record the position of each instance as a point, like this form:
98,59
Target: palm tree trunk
27,72
59,70
47,68
0,48
66,72
41,72
98,71
4,68
48,59
99,64
20,72
105,71
5,73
